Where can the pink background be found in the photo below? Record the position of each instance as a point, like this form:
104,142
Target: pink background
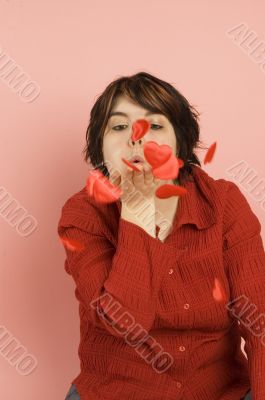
72,50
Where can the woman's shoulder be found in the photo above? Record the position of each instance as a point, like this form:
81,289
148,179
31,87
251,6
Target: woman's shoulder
78,210
83,211
78,202
225,189
226,195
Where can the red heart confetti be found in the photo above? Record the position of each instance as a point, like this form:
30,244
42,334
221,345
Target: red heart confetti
156,154
167,190
169,170
131,165
140,128
219,293
210,153
71,244
181,162
101,189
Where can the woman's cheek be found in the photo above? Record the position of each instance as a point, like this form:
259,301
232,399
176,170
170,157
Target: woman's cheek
114,161
120,148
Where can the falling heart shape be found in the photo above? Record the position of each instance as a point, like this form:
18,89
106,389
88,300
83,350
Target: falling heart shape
71,244
181,162
168,190
131,165
140,127
210,153
156,154
101,189
168,170
219,293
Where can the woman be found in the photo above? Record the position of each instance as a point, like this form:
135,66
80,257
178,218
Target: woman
157,279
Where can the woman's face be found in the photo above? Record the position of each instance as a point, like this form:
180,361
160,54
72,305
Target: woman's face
117,140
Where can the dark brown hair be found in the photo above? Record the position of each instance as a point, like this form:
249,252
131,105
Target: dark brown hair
154,95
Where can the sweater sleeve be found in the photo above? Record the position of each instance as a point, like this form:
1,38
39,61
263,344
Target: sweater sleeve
118,286
244,260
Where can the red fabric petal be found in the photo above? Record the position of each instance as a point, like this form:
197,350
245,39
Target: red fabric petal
181,162
156,154
131,165
169,170
101,189
167,190
90,182
71,244
140,127
210,153
219,293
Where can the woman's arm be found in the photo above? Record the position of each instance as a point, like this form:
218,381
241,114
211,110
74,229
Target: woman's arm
244,260
126,274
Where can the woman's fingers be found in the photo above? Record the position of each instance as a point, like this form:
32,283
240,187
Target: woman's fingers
138,177
126,181
130,181
127,175
148,175
128,186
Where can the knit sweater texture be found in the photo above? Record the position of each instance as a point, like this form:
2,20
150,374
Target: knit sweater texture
163,320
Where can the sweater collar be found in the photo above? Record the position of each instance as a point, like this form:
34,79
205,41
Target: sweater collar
197,206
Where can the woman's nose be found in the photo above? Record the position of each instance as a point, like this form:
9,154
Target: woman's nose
138,143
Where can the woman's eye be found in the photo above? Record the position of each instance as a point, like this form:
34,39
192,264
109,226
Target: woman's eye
159,126
116,128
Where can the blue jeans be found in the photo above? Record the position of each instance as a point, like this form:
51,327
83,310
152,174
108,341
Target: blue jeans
248,396
74,395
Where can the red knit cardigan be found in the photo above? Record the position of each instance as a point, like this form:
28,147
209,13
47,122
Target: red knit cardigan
164,320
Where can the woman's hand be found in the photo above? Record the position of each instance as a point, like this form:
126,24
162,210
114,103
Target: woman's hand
142,184
138,196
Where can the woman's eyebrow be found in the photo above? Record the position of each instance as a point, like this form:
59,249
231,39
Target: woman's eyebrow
123,114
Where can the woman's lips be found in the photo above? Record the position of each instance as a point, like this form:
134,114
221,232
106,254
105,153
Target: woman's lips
137,159
131,164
